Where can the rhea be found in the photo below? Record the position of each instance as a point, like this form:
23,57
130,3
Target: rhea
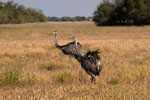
70,48
90,62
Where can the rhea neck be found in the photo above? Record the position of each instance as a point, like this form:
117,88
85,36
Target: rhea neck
75,40
56,44
76,46
56,35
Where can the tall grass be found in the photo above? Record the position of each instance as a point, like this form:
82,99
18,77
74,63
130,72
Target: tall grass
31,67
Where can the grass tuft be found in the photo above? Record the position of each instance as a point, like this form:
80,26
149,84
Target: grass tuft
29,80
10,77
64,77
113,81
14,77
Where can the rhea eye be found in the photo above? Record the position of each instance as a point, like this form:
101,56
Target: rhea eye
99,63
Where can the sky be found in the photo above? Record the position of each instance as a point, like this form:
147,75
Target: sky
61,8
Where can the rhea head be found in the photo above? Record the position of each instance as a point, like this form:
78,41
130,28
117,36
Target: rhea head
74,39
55,32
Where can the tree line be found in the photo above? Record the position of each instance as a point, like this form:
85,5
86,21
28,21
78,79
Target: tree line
67,18
123,12
11,12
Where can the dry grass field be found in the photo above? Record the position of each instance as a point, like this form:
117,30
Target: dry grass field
32,68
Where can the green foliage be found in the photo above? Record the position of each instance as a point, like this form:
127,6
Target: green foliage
66,18
103,13
113,81
64,77
10,77
123,12
14,76
11,12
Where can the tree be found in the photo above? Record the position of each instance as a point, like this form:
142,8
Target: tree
65,18
11,12
102,16
123,12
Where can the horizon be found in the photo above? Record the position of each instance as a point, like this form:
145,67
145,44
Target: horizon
51,8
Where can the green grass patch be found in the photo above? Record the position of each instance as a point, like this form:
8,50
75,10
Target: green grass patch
10,77
113,81
64,77
14,77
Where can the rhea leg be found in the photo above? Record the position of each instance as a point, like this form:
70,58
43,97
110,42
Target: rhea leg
92,76
93,79
70,57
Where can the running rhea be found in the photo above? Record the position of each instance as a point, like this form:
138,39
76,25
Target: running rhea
90,62
70,48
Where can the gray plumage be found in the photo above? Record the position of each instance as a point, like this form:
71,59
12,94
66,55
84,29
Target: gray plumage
90,62
70,48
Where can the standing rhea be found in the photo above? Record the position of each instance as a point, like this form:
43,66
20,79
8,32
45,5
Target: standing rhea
90,62
70,48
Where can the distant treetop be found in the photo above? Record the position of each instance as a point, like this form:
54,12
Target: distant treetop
67,18
11,12
123,12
